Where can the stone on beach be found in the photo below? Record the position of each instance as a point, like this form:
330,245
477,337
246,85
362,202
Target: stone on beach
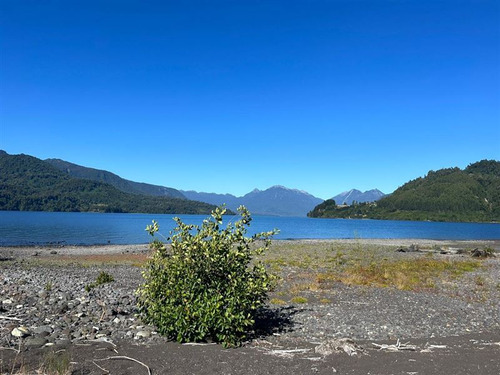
20,331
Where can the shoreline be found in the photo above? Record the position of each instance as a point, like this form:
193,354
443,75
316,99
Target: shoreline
51,249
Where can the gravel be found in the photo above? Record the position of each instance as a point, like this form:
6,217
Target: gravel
53,305
388,314
48,305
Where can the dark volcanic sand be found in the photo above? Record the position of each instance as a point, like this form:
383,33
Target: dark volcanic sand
469,354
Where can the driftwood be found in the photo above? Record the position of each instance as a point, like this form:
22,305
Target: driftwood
3,317
395,347
285,353
13,349
338,345
101,368
429,348
491,343
482,253
99,340
410,249
128,359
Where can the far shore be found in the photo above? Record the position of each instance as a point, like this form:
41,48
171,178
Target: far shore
104,249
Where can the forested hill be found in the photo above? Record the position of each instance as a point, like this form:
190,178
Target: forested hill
127,186
451,194
30,184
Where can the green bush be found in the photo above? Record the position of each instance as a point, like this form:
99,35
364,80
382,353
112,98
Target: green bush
102,278
206,286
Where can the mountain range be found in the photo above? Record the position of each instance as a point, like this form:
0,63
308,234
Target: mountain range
276,200
354,195
450,194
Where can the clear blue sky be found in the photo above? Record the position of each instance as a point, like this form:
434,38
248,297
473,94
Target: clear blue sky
226,96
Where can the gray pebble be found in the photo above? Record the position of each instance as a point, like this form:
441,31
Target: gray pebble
143,334
35,342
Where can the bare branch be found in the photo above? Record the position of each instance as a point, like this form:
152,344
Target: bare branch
129,359
3,317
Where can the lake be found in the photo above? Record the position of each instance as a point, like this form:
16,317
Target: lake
73,228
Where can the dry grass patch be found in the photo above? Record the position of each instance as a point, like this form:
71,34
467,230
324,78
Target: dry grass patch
312,286
408,274
277,301
53,363
136,260
57,364
299,300
319,255
316,266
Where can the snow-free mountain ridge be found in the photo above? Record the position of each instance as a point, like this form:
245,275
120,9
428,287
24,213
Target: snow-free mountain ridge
118,182
277,200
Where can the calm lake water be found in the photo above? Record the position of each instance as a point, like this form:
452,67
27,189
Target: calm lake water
33,228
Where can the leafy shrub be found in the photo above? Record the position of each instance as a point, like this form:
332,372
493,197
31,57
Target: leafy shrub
102,278
205,286
48,286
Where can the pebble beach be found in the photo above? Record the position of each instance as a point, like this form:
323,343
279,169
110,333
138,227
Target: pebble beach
46,302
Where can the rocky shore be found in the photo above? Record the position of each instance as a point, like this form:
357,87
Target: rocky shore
54,306
46,303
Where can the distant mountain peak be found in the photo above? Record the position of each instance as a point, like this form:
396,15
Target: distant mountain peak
347,197
276,200
289,189
375,191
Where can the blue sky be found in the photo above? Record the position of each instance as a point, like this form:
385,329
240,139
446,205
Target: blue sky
227,96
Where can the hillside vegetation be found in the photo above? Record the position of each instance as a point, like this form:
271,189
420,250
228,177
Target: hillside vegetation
127,186
451,194
30,184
